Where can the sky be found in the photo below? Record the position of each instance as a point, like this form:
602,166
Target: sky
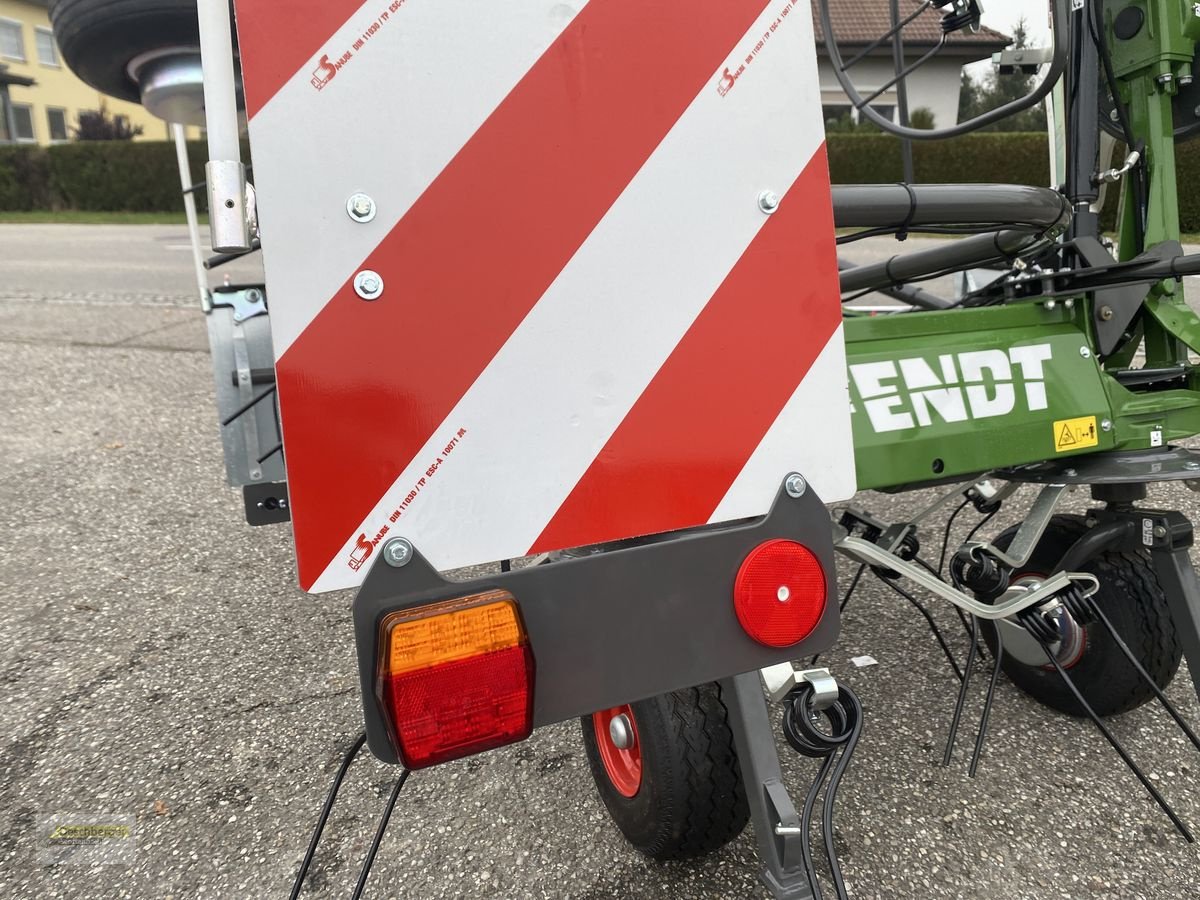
1003,14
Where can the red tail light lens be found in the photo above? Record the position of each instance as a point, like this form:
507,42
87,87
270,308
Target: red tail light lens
456,678
780,593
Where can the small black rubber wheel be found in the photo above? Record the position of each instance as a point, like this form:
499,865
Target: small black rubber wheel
99,38
672,786
1134,602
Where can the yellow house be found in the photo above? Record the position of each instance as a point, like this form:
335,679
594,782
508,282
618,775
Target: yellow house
48,111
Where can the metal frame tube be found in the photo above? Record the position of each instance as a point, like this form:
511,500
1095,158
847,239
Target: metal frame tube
179,135
228,219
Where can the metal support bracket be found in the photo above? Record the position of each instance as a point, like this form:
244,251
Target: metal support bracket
874,555
1030,531
776,820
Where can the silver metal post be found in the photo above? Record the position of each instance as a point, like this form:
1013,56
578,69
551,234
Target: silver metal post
228,219
189,207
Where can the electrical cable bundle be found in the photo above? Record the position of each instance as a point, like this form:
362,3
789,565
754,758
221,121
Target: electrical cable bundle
844,718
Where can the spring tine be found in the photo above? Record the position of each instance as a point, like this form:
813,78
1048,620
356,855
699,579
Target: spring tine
1162,698
987,704
962,694
1116,745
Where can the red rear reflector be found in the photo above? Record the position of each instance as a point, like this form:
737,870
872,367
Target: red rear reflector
456,678
779,594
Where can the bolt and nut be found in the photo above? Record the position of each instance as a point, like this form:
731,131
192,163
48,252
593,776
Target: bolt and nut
1106,313
368,284
397,552
795,485
1085,352
360,208
768,202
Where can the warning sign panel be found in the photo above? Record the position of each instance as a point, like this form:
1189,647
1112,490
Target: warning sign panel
1075,434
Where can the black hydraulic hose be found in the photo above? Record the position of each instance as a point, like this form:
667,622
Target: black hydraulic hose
914,205
981,250
1060,14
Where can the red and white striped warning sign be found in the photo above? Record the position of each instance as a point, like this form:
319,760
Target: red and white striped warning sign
589,327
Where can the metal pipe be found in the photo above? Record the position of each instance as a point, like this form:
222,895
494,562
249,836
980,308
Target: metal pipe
1059,14
226,176
189,209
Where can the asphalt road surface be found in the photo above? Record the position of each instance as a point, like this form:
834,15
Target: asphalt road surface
158,661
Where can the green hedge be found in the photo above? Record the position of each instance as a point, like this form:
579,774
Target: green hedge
142,177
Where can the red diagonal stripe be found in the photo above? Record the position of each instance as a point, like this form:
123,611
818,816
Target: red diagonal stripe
480,247
675,455
275,41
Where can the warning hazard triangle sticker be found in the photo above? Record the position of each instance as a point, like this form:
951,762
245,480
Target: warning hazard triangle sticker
1066,439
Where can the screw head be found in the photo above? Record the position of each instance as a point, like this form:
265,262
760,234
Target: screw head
1160,531
1191,465
1106,313
1051,304
1070,473
1085,352
620,731
795,485
360,208
397,552
1106,424
368,284
768,202
1069,303
254,295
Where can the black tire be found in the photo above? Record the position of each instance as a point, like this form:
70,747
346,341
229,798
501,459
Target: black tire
99,38
691,800
1134,602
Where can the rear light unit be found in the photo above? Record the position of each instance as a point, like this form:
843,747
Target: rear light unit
455,678
780,592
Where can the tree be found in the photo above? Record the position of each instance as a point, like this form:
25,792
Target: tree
982,95
99,126
921,117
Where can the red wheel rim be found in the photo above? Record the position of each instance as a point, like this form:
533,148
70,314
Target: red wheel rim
623,765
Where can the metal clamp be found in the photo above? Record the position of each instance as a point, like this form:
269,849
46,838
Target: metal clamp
824,685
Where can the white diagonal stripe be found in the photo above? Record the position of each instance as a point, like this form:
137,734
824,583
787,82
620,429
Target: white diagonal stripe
811,436
316,148
552,397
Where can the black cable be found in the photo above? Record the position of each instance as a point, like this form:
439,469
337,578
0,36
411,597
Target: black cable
383,824
810,802
845,601
946,536
845,717
246,407
347,759
1109,736
937,632
846,697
